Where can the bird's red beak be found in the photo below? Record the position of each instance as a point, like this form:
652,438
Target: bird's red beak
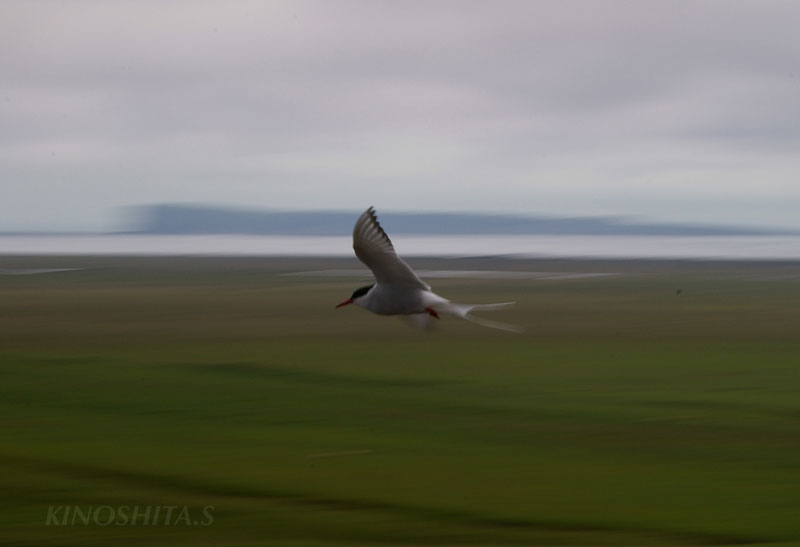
346,302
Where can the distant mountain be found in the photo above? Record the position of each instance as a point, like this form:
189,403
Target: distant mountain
185,219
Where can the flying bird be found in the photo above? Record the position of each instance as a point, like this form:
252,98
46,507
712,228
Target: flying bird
397,289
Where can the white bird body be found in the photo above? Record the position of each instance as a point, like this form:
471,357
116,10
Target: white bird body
398,290
399,300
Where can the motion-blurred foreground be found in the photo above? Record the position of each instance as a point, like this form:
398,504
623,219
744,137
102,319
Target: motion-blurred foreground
658,403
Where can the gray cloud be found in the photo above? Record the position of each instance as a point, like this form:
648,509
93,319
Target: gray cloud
684,110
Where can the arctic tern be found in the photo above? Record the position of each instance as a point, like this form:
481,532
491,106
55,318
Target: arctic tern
397,289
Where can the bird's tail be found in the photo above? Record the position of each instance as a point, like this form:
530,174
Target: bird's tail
464,311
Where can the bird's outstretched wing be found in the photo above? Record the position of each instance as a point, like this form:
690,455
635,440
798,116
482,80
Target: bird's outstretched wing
374,248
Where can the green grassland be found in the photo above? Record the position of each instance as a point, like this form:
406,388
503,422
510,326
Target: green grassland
659,406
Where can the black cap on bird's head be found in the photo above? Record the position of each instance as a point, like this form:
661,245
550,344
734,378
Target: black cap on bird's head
358,293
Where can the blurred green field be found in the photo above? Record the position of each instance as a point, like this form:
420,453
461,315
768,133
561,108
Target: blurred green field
659,406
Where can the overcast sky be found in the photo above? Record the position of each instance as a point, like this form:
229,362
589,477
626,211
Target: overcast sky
666,110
